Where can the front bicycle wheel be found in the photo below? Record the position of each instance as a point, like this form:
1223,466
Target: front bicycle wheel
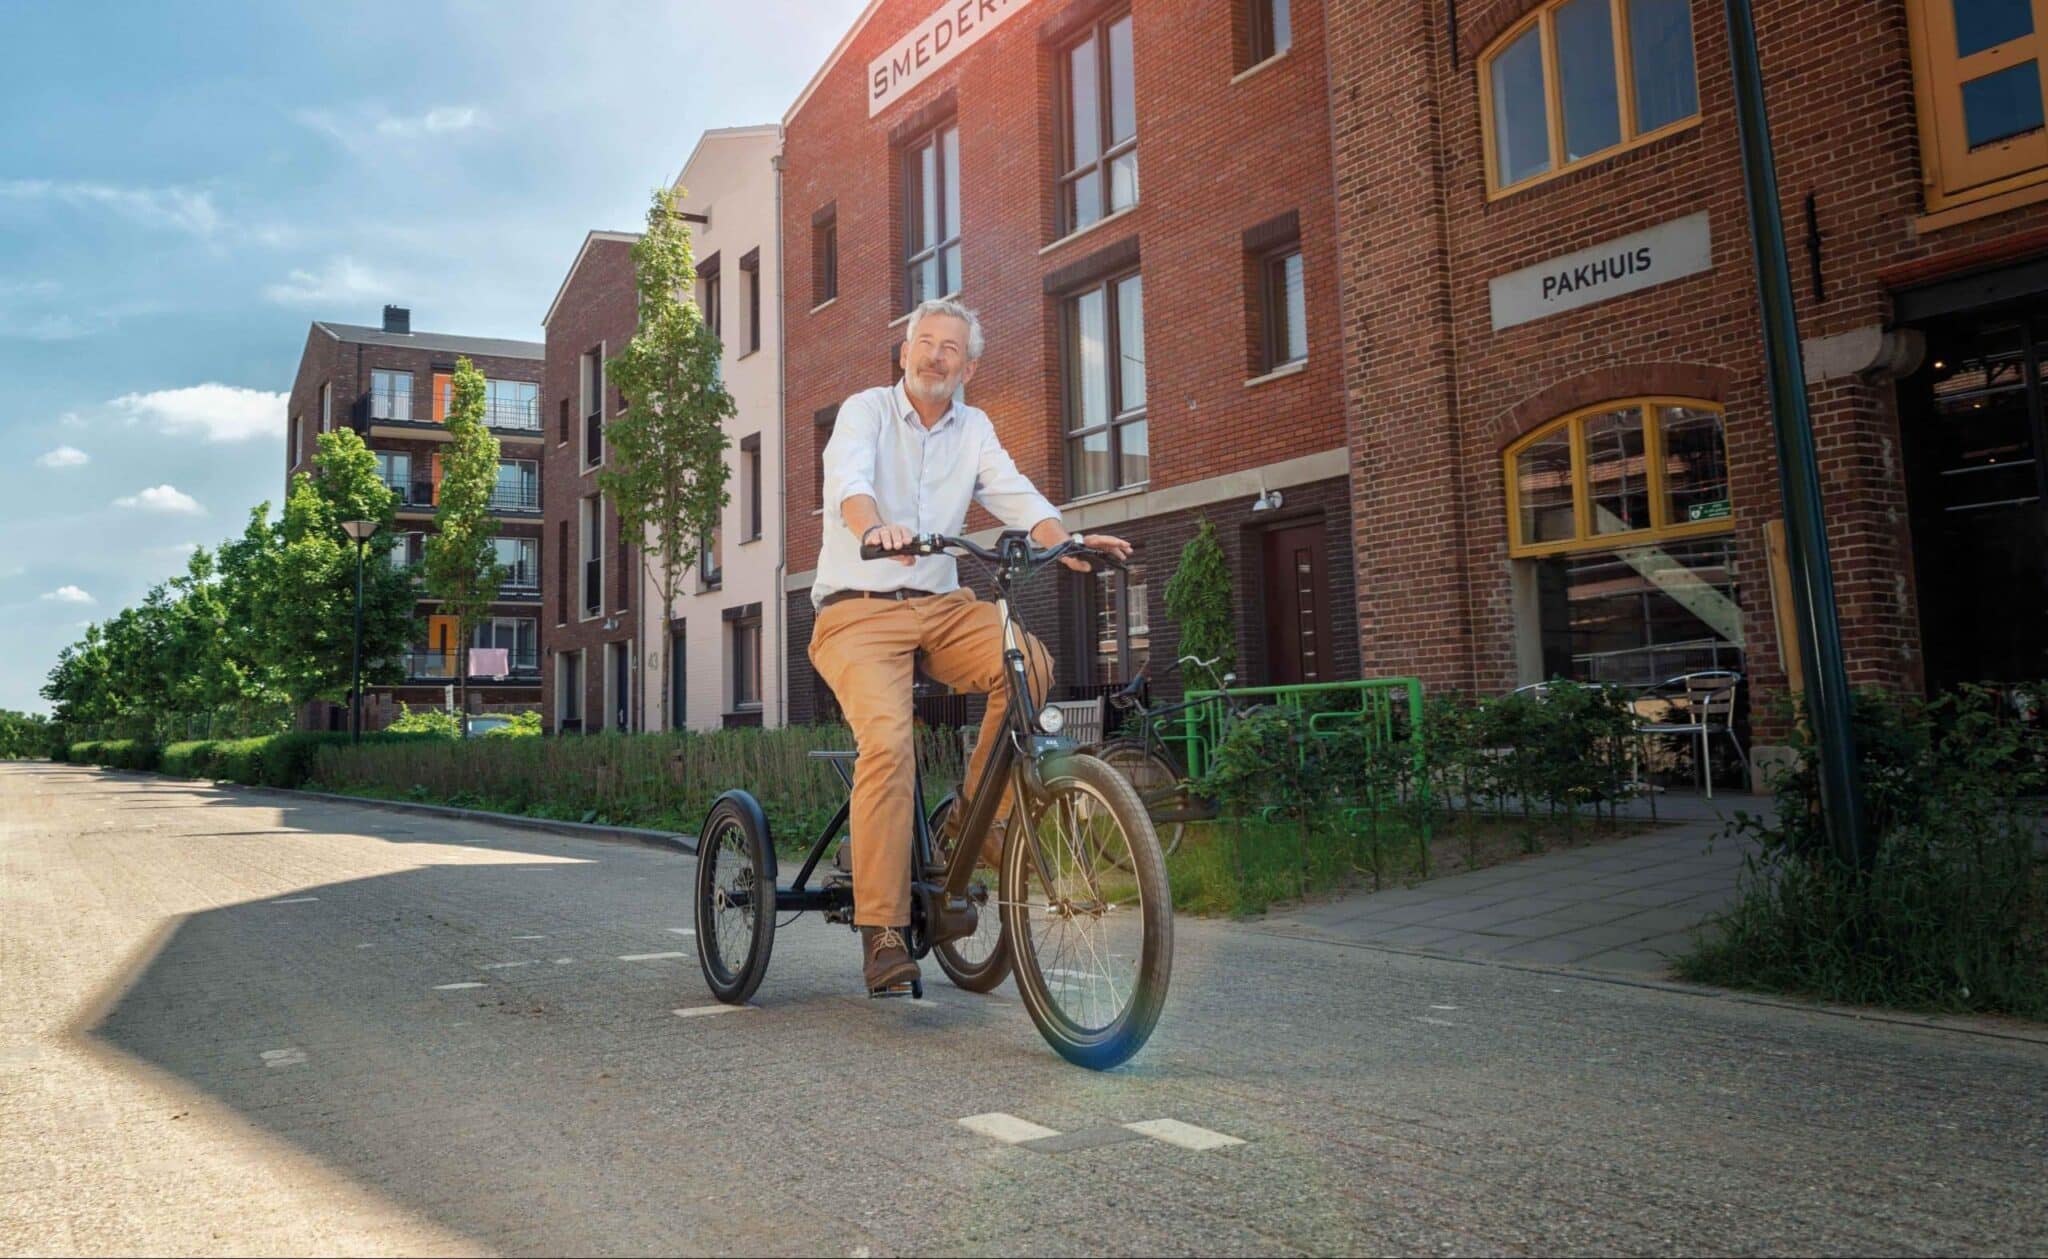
1088,914
735,901
979,962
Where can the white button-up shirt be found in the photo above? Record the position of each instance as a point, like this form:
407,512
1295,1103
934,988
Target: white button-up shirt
920,478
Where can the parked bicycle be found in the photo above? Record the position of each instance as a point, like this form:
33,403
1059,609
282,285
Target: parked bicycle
1083,916
1142,752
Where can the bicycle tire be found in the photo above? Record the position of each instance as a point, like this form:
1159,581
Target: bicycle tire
967,973
1028,853
1149,772
733,952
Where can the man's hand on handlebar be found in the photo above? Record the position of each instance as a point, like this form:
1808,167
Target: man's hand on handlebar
1115,548
888,537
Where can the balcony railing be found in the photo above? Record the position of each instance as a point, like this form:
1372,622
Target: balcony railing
412,493
422,665
522,416
521,579
515,498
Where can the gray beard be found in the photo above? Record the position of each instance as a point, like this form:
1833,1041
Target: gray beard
922,392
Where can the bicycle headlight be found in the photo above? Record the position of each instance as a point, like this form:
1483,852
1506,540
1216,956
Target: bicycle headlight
1051,719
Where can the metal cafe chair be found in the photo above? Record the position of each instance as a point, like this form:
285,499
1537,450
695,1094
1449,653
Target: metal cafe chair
1699,707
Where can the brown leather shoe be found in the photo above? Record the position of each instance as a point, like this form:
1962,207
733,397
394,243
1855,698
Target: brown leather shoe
888,958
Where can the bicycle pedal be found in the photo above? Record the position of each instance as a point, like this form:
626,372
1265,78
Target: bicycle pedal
912,988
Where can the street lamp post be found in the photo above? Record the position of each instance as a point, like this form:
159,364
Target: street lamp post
360,530
1806,539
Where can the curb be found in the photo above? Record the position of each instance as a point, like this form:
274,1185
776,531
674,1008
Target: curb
669,840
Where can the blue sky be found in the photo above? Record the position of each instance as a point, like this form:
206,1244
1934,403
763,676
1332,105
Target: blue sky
184,187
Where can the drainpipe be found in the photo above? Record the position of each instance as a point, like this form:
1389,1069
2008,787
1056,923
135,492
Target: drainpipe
781,598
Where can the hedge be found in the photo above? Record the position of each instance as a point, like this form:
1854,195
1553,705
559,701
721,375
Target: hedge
274,760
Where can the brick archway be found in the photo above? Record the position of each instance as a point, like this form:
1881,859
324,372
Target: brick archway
1635,380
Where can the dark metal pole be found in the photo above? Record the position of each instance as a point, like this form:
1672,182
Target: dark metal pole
1813,583
355,724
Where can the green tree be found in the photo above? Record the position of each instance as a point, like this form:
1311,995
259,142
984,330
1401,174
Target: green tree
23,735
1200,601
300,597
665,468
462,561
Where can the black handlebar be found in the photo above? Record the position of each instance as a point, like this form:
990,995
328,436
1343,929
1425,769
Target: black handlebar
940,543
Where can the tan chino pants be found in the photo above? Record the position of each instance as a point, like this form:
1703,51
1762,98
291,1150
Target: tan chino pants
865,649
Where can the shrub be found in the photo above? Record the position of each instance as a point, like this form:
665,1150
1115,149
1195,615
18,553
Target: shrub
131,754
524,725
428,721
190,759
1952,912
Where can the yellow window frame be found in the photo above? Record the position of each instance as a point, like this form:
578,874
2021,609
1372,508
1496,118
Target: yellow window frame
1545,18
1584,538
1952,173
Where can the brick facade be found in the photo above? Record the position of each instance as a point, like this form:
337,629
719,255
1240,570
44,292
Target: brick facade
342,357
597,309
1227,158
1434,393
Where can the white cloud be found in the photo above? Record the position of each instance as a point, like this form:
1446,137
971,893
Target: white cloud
63,457
13,571
69,594
176,550
220,413
441,120
342,280
360,128
173,208
71,419
163,498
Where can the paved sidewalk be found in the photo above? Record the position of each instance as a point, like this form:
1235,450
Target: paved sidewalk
1625,905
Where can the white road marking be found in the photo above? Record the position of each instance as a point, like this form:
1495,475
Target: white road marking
564,961
366,946
529,937
1185,1135
1073,974
1443,1007
648,957
1008,1129
721,1008
1436,1022
290,1056
453,987
508,965
296,900
681,931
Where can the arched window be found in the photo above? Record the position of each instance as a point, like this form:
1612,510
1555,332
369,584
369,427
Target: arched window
1619,473
1620,520
1577,79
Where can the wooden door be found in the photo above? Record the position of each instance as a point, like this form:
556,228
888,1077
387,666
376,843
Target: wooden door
1297,605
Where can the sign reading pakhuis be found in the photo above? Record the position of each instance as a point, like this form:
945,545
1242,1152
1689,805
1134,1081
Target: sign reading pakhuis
1626,264
951,30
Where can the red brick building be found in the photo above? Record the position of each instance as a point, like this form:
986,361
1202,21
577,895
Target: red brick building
590,675
392,386
1563,454
1138,200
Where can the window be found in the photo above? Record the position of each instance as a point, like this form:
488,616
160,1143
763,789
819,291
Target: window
569,691
518,487
390,396
1269,30
404,550
931,215
1283,309
746,661
520,558
1579,78
592,378
1119,624
1978,67
562,423
825,255
327,407
519,636
709,301
710,572
821,434
298,440
1099,131
624,543
591,522
512,404
750,294
394,468
750,462
1104,370
562,570
1621,519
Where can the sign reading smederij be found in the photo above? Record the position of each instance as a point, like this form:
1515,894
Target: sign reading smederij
954,28
1639,260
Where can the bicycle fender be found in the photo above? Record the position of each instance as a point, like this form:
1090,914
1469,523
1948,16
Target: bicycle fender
1044,754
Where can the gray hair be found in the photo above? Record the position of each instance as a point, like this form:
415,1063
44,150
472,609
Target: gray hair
947,306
